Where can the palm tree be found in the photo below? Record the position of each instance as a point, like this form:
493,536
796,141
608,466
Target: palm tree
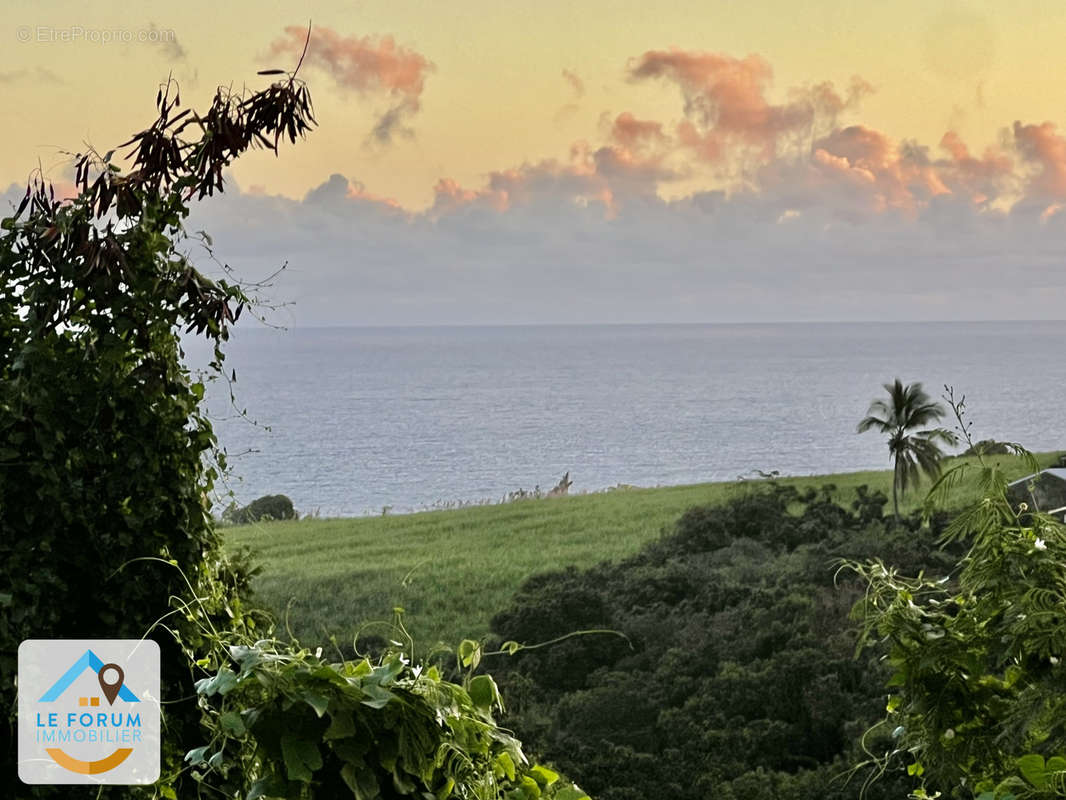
912,452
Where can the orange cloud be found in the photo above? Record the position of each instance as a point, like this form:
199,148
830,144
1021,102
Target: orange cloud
1042,146
367,65
982,179
450,196
632,133
726,104
357,191
780,160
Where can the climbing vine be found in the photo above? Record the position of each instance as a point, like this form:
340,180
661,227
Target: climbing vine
977,707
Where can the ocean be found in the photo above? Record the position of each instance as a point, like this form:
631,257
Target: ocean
350,421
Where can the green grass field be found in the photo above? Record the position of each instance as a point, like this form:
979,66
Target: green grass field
452,570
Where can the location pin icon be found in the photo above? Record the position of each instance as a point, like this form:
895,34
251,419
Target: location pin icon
111,690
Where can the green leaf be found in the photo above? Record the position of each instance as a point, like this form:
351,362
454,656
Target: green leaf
571,793
469,653
221,683
301,758
318,702
196,756
483,692
1032,769
341,726
232,723
361,781
543,775
376,697
506,765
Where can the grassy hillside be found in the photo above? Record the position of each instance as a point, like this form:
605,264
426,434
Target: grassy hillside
452,570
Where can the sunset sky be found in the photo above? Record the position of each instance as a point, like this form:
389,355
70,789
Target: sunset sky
498,162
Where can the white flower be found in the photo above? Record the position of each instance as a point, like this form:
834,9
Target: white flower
1039,544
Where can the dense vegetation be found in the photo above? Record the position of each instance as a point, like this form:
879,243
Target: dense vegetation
739,677
978,661
103,445
452,570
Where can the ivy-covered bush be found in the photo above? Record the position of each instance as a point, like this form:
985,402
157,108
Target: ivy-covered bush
285,723
104,448
977,653
267,507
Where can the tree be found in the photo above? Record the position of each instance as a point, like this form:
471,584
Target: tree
104,447
104,466
912,452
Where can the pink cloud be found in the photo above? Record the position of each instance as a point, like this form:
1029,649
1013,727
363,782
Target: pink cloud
1043,147
357,191
368,65
633,133
780,158
726,105
982,179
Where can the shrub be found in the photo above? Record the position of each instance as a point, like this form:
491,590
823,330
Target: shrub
978,658
268,507
738,678
283,722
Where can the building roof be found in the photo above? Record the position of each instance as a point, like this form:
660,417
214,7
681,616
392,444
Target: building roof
1055,472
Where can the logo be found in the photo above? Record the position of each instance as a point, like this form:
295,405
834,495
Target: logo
88,711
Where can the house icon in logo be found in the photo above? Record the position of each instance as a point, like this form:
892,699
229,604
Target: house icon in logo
90,661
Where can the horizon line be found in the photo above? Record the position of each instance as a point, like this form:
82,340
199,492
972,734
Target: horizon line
379,326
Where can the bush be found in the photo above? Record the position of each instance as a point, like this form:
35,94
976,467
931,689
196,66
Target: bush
979,660
739,676
268,507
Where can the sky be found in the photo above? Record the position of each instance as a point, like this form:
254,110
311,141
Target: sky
600,160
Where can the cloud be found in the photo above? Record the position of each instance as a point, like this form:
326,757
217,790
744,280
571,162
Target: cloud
727,112
370,66
1045,150
575,82
858,226
807,214
168,43
632,133
36,75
